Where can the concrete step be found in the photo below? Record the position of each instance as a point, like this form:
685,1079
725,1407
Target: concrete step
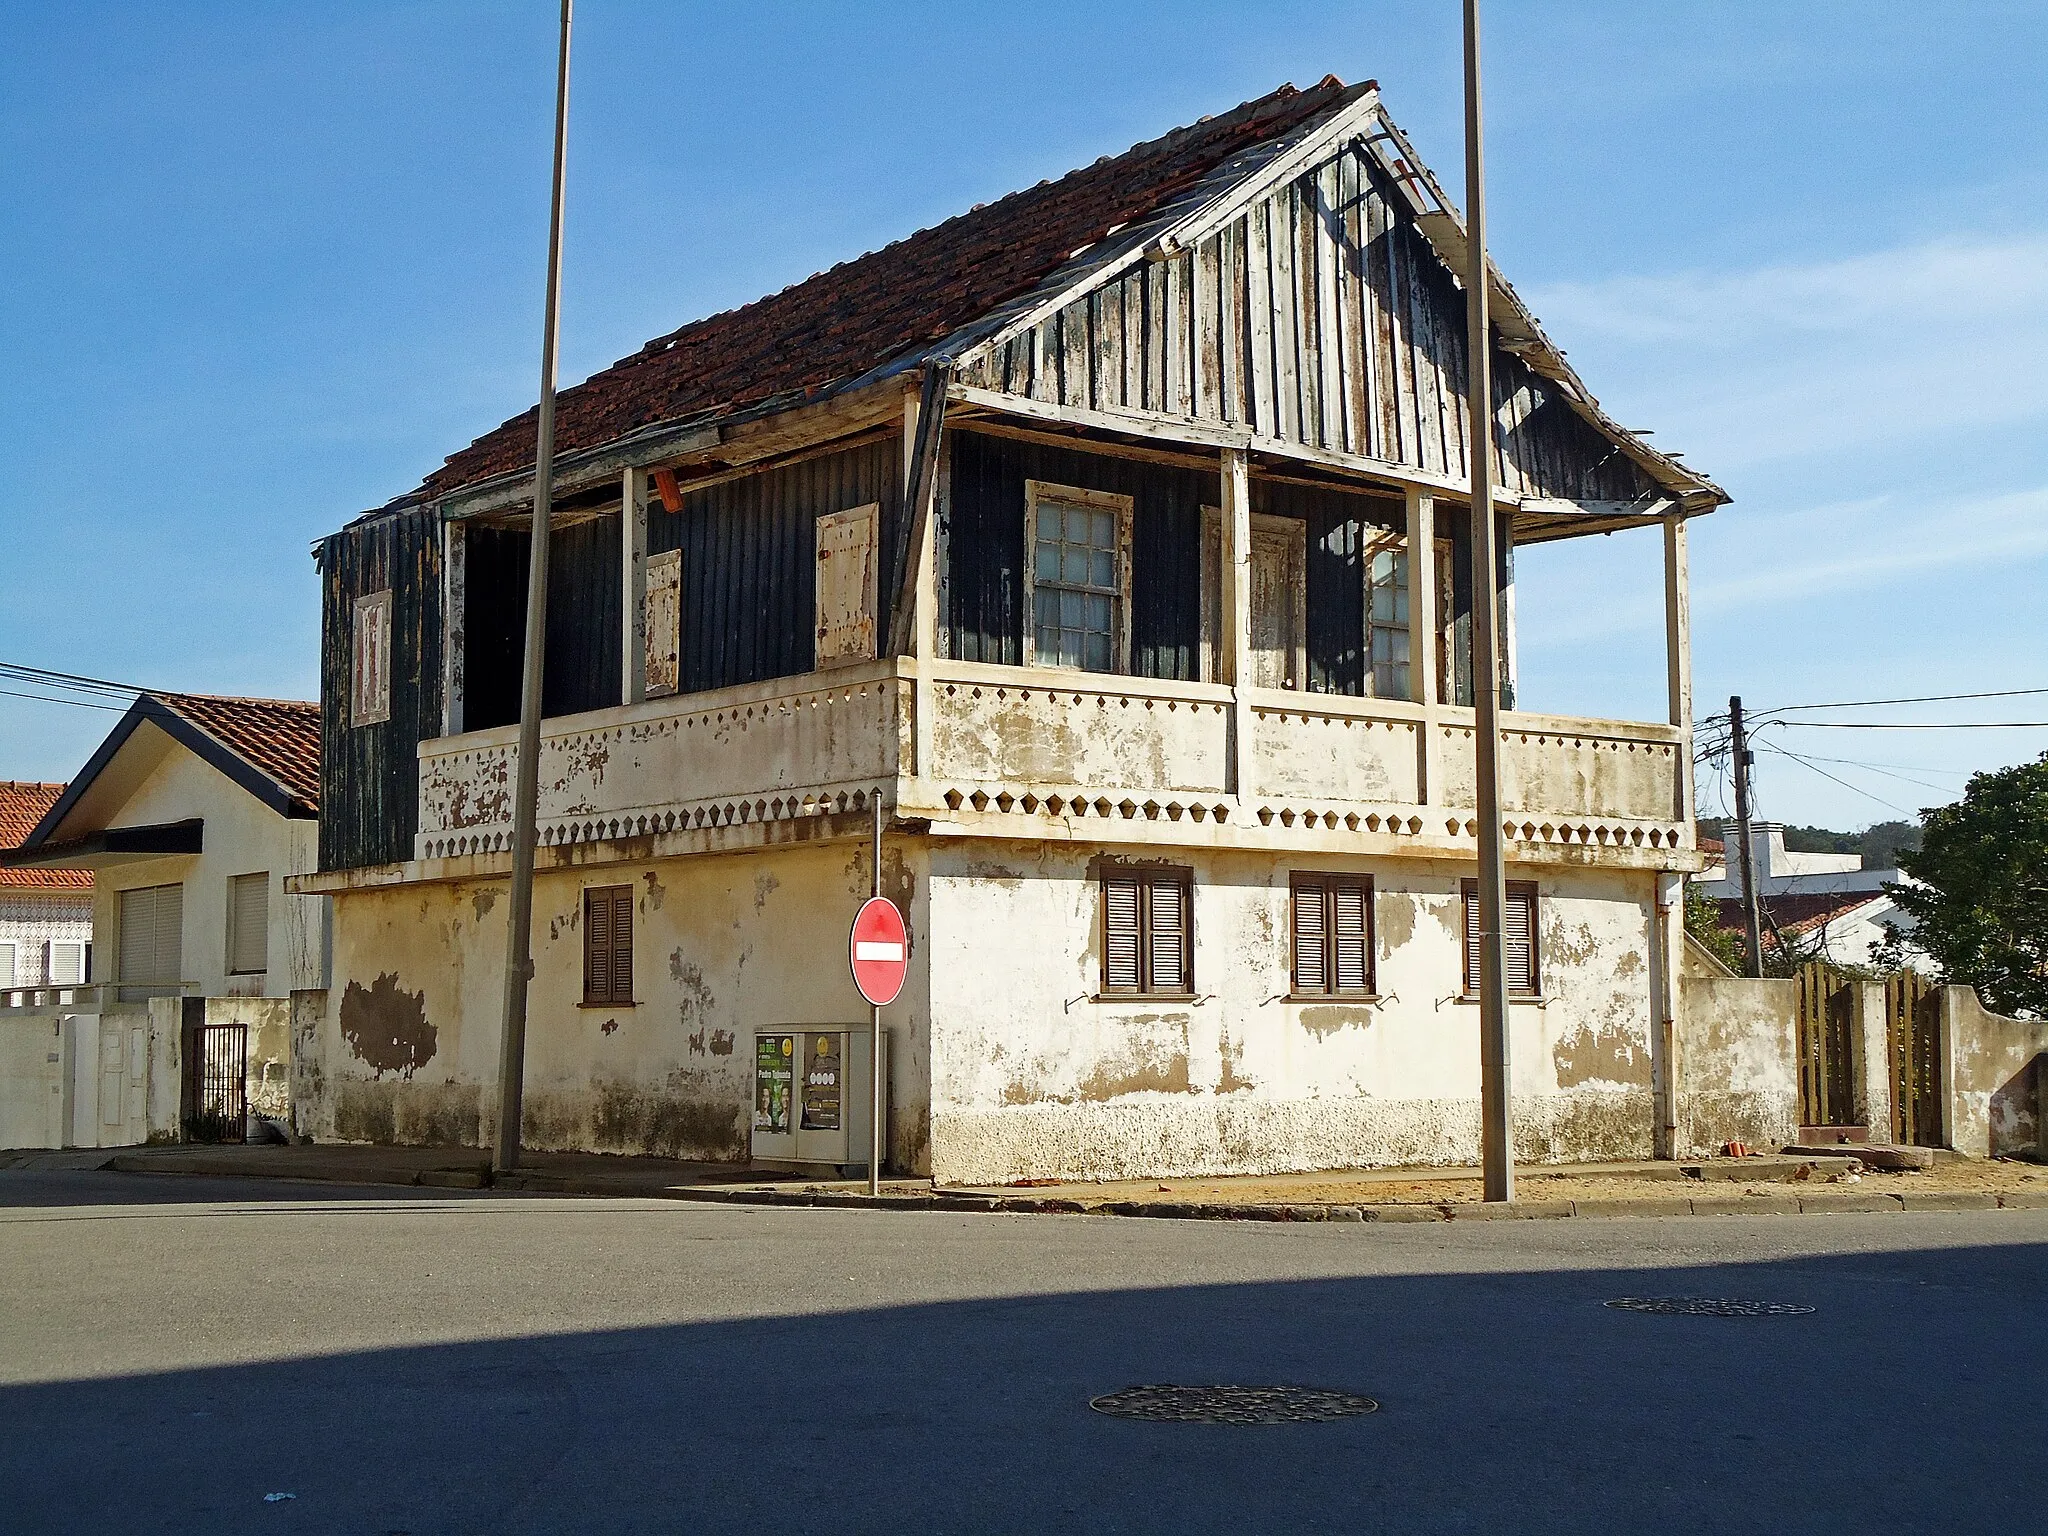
1879,1155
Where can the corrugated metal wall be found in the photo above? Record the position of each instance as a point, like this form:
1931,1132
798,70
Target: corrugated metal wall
369,775
581,670
750,561
1321,316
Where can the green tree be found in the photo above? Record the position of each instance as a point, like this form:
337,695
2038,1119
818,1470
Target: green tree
1982,910
1703,922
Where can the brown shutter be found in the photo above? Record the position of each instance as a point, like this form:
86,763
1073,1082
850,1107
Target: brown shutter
1518,926
1472,938
1311,970
1351,932
1120,935
1169,936
622,944
597,947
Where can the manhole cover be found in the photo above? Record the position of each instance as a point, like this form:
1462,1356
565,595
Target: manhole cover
1232,1405
1708,1306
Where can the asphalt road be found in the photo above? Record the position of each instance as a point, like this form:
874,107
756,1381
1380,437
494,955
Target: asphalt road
172,1350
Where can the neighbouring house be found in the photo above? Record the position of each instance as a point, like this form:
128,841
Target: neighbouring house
45,914
1824,905
184,825
1114,536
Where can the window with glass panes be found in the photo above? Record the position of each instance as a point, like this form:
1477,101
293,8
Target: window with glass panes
1077,594
1387,617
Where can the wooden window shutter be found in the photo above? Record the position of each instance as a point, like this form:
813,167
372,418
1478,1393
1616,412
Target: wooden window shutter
1472,938
845,592
7,965
664,613
1311,937
608,944
1169,935
1351,935
1518,927
249,924
1121,971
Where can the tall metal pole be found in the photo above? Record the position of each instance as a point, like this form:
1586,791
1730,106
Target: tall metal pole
1496,1110
875,1040
519,941
1752,917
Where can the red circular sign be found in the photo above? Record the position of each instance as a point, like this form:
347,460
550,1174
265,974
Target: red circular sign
881,951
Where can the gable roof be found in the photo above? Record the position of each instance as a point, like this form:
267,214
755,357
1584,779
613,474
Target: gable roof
891,304
1798,911
270,747
22,805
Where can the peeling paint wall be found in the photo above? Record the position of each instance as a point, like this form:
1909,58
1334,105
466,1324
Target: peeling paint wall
1996,1066
1738,1061
1034,1078
406,1041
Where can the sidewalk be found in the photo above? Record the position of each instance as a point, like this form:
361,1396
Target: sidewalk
1770,1185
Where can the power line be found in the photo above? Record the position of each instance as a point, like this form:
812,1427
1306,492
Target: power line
1832,778
112,709
1911,725
1925,698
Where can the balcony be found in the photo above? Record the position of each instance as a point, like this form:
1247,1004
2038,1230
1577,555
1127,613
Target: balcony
1042,753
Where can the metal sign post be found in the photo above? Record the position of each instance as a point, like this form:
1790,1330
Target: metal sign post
879,951
526,776
875,1037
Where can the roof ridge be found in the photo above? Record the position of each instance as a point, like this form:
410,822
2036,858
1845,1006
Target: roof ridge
231,698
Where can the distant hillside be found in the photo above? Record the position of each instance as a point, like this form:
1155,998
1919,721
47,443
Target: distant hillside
1879,844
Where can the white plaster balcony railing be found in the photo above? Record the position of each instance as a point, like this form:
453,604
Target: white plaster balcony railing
90,996
1009,745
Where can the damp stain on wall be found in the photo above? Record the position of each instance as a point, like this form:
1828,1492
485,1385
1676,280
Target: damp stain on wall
386,1027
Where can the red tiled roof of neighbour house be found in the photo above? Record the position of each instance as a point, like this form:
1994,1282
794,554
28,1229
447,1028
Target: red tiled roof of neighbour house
1797,911
842,323
278,737
22,805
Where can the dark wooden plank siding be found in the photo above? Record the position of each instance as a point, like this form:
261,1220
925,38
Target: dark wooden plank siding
1340,526
749,553
369,777
1321,316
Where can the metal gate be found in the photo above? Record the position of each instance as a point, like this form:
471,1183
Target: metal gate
1912,1012
1827,1016
220,1067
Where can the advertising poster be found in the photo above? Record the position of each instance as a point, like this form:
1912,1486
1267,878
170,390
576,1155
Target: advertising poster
821,1084
773,1073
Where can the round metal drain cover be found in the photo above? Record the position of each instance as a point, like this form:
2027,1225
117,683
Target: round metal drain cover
1709,1306
1232,1405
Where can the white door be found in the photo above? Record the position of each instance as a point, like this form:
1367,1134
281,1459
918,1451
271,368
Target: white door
113,1083
82,1047
1279,599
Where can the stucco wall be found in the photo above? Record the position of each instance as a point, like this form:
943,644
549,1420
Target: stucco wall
1995,1065
404,1045
242,836
1737,1068
1033,1078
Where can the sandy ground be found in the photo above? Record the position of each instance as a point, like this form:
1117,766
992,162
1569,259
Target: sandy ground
1433,1187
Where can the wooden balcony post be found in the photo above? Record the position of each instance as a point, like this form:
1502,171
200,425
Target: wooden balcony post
454,622
633,584
1233,666
1422,636
924,625
1678,657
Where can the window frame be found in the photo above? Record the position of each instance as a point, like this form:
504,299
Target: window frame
1325,883
369,691
614,996
1468,889
1264,525
1146,876
1036,491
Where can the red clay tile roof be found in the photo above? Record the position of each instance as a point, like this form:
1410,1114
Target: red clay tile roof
890,303
1797,911
278,737
22,805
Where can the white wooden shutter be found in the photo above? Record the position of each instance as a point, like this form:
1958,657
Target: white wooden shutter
1351,933
6,965
67,964
1311,972
846,585
370,660
138,935
1169,936
1472,938
249,924
1120,932
664,623
1518,929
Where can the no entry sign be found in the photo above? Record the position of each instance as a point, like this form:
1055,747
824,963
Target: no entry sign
881,951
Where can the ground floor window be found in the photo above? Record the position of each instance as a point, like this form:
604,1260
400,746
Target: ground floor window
1148,936
608,945
1333,944
1518,924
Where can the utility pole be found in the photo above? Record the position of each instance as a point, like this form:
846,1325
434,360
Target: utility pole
526,777
1496,1109
1752,919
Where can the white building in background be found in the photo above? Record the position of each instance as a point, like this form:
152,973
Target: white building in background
1827,899
45,914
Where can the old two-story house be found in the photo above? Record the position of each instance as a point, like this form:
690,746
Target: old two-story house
183,826
1115,537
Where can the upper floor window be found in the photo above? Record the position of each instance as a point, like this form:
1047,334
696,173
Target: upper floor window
1518,925
1148,933
248,924
1389,624
1333,943
1078,577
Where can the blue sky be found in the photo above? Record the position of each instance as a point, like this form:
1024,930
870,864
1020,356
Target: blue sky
268,264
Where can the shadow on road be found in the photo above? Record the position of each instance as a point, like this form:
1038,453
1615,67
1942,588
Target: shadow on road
1509,1402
